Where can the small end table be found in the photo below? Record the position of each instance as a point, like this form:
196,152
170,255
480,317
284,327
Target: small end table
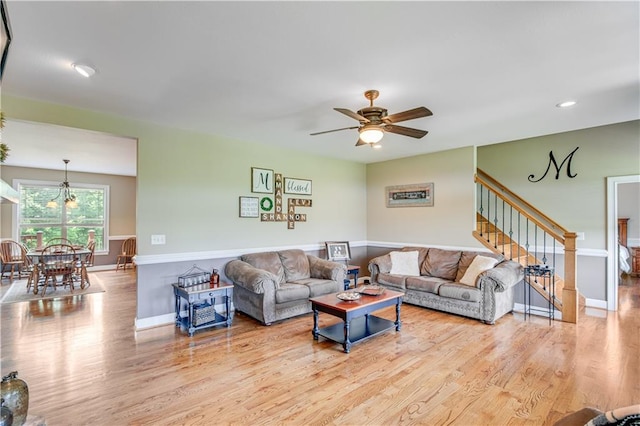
352,270
199,298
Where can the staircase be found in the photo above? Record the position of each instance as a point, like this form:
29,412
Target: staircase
509,225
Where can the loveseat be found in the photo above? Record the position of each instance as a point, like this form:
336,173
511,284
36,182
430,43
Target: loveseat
438,279
271,286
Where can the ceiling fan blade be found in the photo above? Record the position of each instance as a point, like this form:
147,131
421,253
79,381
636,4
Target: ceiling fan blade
334,130
352,114
407,115
360,142
405,131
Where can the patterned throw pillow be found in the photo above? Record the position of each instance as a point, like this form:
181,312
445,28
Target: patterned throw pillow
404,263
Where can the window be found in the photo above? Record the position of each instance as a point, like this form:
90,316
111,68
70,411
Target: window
73,224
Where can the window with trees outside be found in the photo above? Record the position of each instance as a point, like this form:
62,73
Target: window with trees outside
73,224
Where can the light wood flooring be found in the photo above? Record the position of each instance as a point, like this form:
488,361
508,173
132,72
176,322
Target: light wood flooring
85,364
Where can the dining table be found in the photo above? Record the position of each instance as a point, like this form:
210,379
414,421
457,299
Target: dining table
39,261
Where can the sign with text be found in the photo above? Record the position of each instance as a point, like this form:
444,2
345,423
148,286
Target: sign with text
297,186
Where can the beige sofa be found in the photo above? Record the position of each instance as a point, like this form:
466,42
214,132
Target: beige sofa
434,278
272,286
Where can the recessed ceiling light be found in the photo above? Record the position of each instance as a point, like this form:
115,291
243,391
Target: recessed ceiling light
566,104
84,70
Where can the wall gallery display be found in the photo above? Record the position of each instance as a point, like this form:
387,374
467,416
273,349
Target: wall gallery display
297,186
262,180
413,195
249,207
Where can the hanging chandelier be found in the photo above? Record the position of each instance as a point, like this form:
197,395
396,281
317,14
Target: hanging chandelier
69,198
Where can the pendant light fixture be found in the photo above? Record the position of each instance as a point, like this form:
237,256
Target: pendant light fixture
69,198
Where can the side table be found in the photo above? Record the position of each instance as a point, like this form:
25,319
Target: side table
352,270
545,275
201,306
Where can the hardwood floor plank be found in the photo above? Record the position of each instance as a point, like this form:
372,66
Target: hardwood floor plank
85,364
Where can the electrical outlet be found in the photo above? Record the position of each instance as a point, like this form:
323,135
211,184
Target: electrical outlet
580,236
157,239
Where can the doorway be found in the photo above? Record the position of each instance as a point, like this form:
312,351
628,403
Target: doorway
613,252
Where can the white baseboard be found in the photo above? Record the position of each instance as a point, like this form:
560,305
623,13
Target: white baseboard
595,303
144,323
538,311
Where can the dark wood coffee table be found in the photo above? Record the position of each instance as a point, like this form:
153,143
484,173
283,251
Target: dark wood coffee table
358,323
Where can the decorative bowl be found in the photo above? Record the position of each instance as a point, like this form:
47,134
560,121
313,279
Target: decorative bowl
348,296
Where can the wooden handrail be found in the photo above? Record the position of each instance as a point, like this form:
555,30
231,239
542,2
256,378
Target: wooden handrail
553,228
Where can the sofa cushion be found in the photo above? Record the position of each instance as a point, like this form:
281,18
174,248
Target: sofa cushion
318,287
291,292
295,264
396,281
404,263
428,284
478,266
269,261
460,292
468,256
441,263
422,252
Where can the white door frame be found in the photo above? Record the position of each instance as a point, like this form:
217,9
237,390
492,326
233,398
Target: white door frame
612,237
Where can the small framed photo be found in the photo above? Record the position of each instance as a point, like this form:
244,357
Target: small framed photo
338,250
413,195
249,207
262,180
297,186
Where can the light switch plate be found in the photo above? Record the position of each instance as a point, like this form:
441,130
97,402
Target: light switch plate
157,239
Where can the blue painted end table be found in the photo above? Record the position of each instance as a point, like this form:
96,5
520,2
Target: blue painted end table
203,298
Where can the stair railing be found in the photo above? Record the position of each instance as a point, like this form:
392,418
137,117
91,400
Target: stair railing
520,231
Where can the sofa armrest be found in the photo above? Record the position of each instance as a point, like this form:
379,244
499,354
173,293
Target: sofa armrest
503,276
249,277
380,264
325,269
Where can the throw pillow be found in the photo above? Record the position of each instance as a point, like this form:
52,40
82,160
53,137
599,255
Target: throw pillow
478,266
404,263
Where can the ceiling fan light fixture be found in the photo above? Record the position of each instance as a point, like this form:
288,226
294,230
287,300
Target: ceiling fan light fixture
371,133
84,70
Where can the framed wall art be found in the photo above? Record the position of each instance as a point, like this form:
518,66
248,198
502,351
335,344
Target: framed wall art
249,207
262,180
413,195
338,250
297,186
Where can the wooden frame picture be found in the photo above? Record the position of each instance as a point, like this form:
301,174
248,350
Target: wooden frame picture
413,195
5,37
261,180
297,186
249,207
338,250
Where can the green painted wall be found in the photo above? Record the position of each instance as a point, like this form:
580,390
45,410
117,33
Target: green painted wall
578,204
451,219
188,185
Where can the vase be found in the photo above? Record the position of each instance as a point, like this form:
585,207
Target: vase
15,393
6,416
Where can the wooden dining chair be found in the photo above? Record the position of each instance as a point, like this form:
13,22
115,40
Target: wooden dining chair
127,254
58,260
14,259
82,265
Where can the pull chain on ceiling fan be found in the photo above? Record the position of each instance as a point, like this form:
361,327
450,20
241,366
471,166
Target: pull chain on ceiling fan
374,121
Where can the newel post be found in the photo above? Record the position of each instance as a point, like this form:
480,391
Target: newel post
570,291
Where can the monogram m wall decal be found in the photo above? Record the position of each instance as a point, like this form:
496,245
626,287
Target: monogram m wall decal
552,160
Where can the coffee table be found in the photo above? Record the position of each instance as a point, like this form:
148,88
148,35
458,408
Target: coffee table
358,323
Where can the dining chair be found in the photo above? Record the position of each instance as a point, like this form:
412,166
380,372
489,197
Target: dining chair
58,260
14,259
82,265
127,254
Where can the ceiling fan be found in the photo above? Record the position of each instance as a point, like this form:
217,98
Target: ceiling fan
374,121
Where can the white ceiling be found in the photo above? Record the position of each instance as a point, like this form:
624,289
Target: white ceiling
271,72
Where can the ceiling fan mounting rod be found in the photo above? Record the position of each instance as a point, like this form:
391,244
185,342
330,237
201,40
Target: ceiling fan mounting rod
371,95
